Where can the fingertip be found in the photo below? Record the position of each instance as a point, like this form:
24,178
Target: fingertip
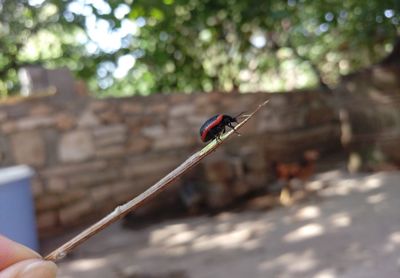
39,269
32,268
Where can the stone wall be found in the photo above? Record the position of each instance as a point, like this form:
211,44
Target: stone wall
92,154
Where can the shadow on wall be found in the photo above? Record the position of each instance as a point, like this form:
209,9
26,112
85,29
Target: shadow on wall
369,110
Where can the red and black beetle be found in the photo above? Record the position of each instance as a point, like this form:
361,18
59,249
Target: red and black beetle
215,126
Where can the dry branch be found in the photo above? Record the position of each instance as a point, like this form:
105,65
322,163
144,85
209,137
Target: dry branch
147,195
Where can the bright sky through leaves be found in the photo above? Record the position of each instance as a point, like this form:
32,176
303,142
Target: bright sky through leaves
126,47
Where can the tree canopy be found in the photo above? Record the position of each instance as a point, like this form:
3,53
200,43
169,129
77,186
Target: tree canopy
125,47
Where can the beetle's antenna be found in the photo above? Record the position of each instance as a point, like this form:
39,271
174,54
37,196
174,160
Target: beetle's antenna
238,115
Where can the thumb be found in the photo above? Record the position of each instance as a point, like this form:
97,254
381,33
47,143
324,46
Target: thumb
17,260
33,268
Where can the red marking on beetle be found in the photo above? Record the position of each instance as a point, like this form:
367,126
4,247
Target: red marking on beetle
213,124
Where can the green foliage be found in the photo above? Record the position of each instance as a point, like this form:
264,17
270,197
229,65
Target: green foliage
147,46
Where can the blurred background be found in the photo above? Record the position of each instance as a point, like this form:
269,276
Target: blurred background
99,100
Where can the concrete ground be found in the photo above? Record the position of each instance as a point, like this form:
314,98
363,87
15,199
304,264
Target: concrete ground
350,229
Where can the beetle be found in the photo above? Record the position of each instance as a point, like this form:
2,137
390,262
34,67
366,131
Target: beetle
215,126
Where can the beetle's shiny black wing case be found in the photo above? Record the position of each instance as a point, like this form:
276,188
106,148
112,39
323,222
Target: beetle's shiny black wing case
207,123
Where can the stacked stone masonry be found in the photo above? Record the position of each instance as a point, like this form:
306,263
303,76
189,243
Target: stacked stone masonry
92,154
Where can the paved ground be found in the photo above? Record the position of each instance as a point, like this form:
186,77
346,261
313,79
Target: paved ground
351,229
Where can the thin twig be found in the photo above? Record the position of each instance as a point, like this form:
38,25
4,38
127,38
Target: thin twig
150,193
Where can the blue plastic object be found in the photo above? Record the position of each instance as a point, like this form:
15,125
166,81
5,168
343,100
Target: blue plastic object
17,213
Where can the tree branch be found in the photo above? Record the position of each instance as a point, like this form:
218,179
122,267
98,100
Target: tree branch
275,46
313,66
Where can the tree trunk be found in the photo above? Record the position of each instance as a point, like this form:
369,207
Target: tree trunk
393,59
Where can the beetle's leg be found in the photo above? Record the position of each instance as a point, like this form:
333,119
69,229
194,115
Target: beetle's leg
233,128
